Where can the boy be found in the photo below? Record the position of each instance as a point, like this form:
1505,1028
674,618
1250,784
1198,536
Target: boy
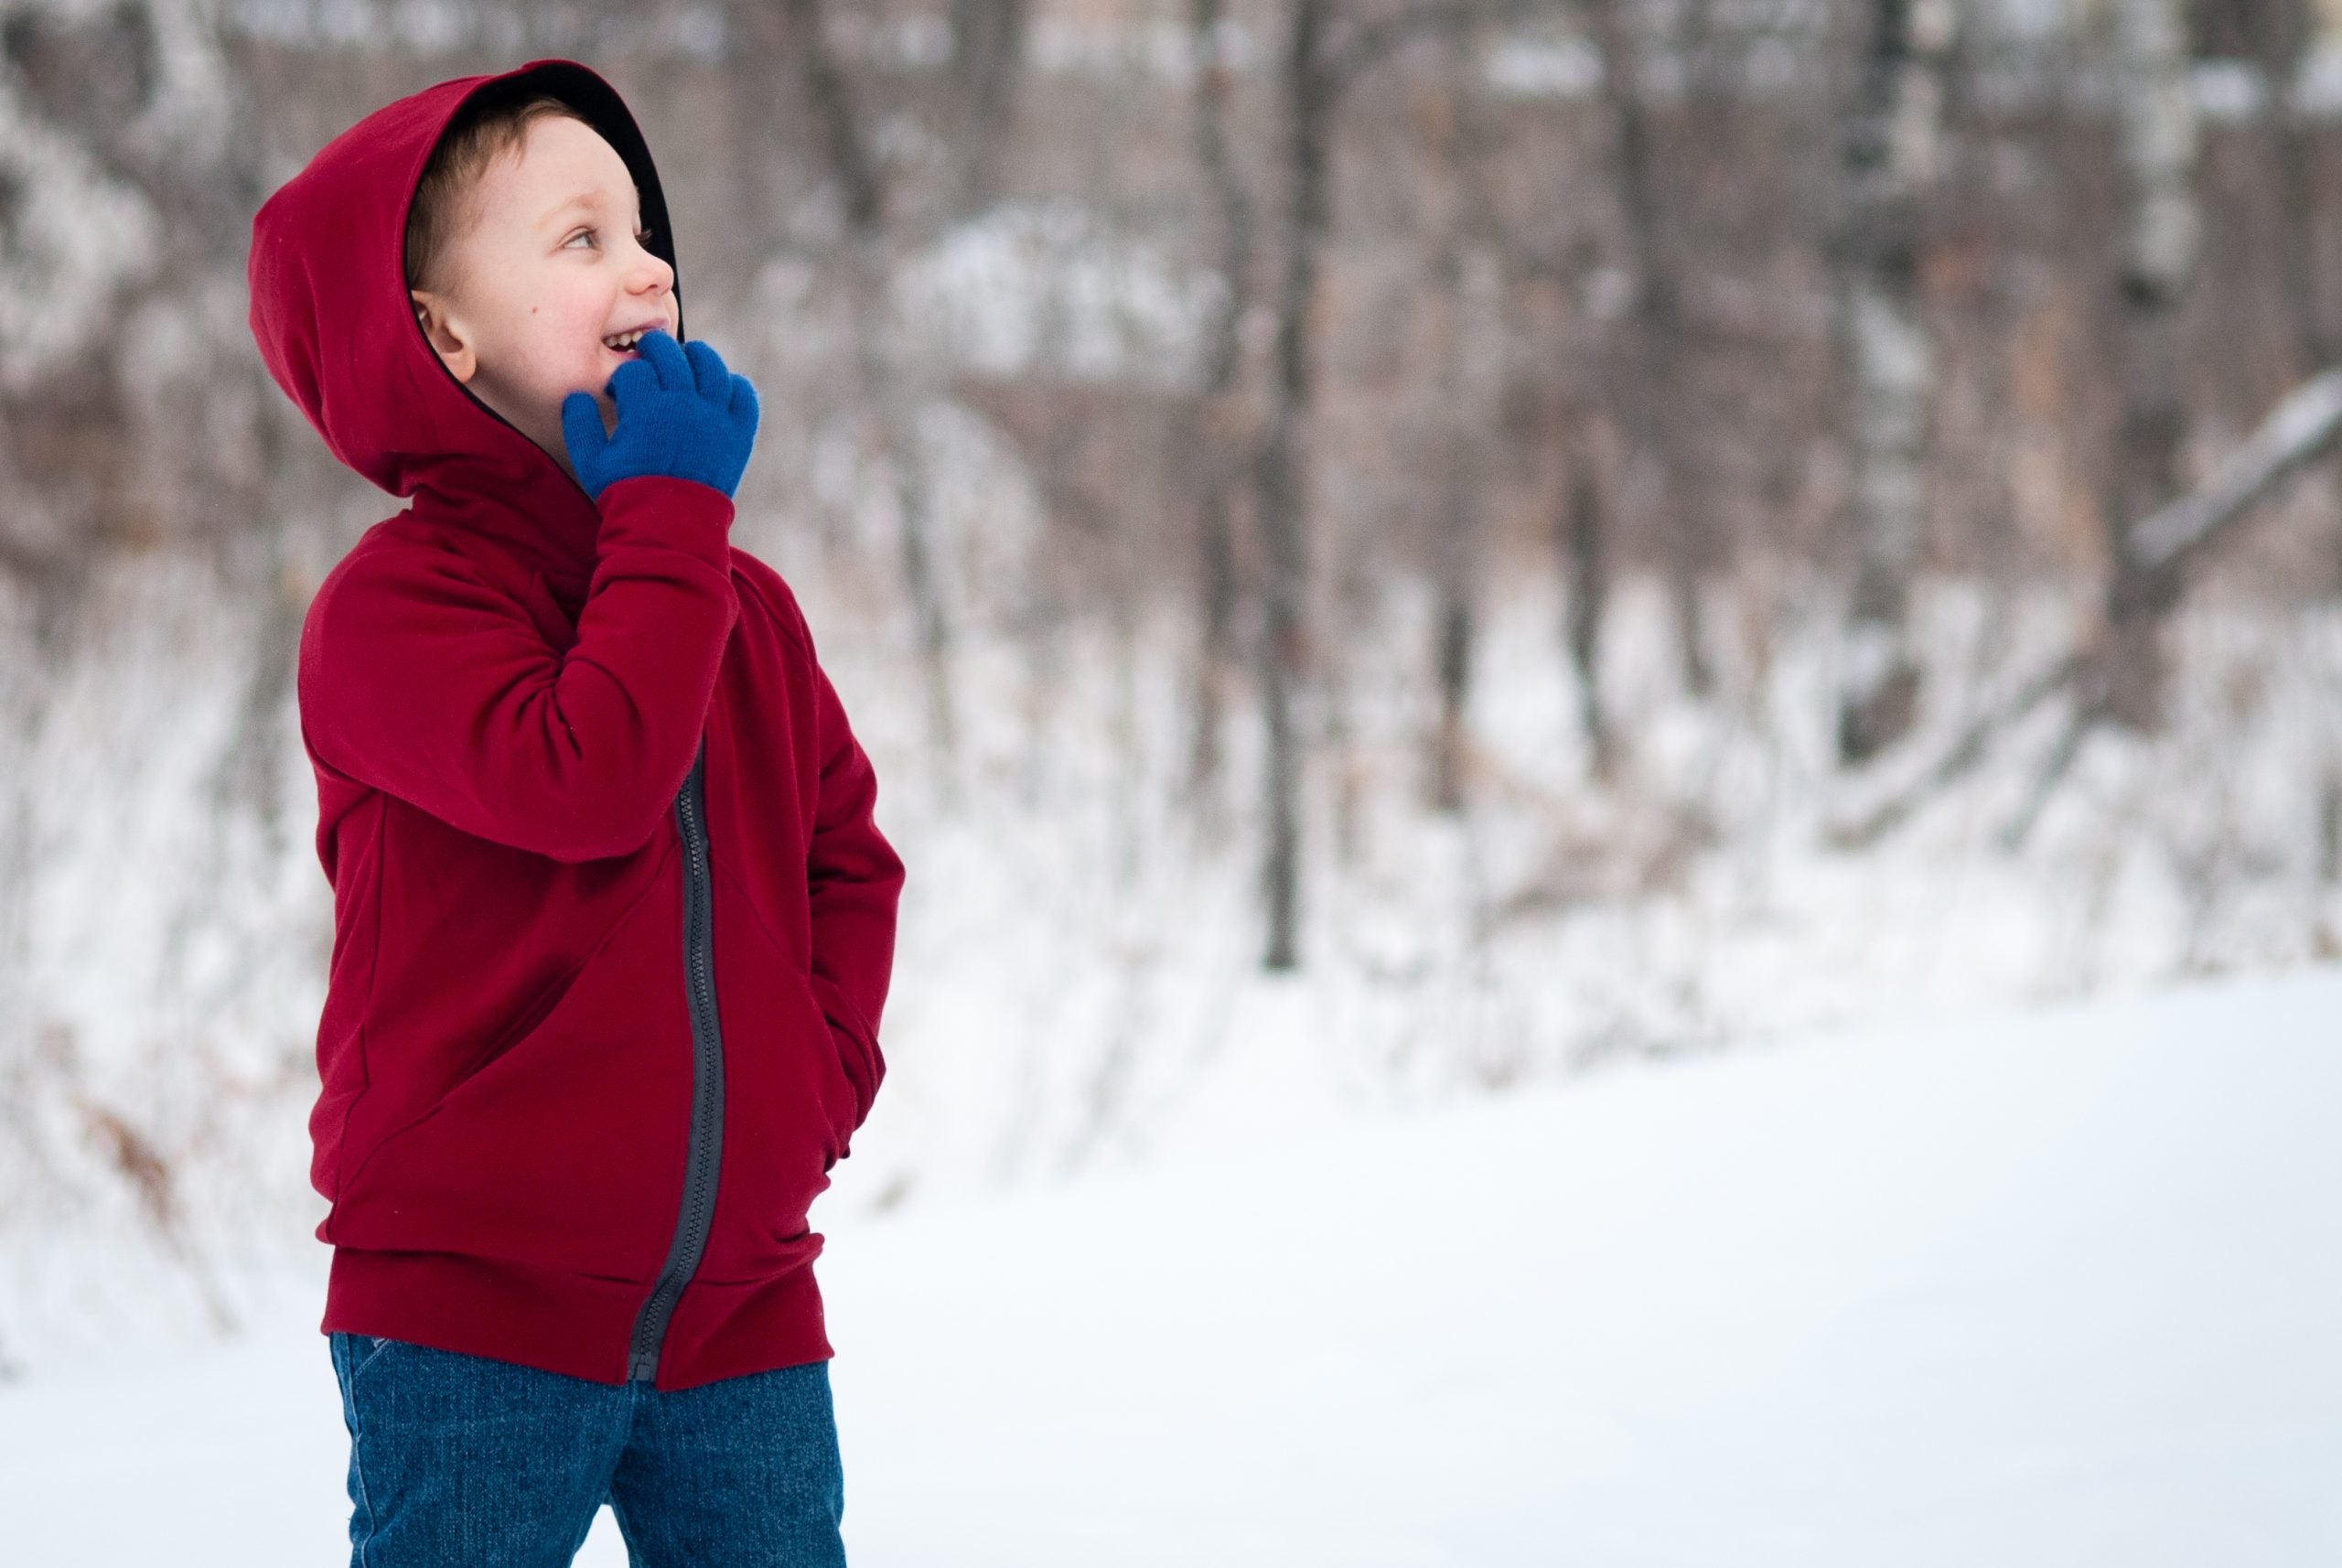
613,923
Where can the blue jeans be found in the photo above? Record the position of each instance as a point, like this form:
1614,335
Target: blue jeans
458,1460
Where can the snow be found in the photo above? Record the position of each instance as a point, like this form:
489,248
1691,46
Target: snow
2046,1287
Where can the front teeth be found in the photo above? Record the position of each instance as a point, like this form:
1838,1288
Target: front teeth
625,340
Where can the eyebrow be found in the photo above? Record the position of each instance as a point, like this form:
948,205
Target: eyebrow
590,199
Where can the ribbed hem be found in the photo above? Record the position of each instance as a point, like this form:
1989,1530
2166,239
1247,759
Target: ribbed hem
730,1330
576,1324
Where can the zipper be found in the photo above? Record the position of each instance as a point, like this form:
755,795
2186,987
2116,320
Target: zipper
706,1151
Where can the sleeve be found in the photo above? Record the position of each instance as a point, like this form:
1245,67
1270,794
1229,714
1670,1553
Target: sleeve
855,880
421,680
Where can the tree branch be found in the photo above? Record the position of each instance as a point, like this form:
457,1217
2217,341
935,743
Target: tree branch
2299,430
1975,743
2148,582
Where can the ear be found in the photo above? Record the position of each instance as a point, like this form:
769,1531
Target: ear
446,336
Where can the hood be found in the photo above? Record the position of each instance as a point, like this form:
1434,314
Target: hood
330,312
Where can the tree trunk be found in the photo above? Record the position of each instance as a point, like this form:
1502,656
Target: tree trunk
1644,379
1891,158
2285,50
2159,137
1280,471
1585,563
1216,441
1471,294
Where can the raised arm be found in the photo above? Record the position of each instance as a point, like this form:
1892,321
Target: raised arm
421,679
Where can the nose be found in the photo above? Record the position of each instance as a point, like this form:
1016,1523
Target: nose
649,273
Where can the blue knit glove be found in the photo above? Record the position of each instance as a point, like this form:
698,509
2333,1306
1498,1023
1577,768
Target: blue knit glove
679,413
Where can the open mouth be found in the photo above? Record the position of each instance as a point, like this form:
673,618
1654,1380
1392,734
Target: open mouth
625,343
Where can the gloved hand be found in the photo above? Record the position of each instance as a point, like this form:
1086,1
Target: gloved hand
679,413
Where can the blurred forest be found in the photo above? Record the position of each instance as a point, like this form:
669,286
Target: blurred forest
1459,538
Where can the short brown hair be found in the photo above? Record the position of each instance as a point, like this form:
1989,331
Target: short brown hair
445,206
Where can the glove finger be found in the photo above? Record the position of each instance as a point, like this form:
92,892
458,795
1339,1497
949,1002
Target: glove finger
581,428
743,406
632,380
708,374
665,358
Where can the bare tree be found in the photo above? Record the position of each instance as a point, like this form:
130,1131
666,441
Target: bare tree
1892,150
2161,244
1583,536
1221,435
801,27
1323,55
2282,44
2121,679
1644,379
1279,470
1469,291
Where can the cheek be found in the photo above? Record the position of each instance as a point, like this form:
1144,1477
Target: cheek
565,338
584,329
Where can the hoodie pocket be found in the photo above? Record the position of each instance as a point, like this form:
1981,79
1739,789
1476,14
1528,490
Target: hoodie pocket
838,1096
796,1021
787,1102
564,1147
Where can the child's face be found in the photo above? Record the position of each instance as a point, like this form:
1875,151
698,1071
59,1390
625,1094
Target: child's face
549,270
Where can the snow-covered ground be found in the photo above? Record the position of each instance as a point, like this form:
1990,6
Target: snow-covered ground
2056,1287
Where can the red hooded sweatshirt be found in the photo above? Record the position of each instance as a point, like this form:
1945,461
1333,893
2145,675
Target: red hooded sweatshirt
612,922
